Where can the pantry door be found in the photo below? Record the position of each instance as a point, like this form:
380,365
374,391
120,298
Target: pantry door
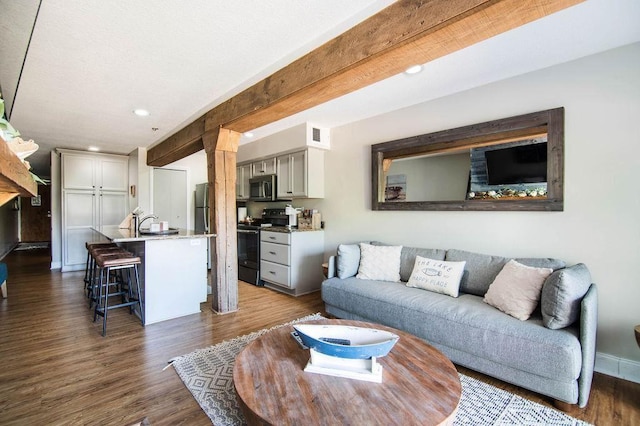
170,196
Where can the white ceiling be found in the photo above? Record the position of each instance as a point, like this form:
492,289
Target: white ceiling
92,62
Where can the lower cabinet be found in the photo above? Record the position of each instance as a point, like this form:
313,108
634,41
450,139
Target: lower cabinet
291,262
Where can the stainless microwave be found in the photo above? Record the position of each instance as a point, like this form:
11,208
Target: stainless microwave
262,188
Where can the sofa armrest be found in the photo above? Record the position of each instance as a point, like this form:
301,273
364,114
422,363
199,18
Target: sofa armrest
332,267
588,328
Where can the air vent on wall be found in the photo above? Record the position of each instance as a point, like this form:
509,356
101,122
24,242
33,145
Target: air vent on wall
315,134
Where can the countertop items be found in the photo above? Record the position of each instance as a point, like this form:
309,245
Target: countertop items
118,235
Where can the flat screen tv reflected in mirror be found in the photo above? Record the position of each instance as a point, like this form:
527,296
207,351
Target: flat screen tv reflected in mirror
518,164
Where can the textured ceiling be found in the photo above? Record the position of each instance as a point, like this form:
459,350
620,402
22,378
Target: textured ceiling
91,63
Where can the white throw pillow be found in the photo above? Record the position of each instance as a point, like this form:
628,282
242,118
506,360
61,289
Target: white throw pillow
380,263
516,289
439,276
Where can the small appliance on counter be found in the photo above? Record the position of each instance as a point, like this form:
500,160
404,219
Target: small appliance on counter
292,214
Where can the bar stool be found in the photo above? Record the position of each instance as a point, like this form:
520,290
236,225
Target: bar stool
124,262
89,267
91,280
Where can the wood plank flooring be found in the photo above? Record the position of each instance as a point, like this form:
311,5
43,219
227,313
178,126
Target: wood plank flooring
56,368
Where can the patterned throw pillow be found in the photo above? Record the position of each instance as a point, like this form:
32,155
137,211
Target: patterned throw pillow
516,289
438,276
381,263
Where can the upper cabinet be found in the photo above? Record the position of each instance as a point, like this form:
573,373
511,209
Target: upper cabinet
263,167
243,174
301,174
106,173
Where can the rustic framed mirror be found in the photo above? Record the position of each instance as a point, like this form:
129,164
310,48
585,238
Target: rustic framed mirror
510,164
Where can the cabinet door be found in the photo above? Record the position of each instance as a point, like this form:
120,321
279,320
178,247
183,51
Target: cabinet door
113,174
112,207
78,172
243,174
79,215
292,175
284,177
298,167
263,167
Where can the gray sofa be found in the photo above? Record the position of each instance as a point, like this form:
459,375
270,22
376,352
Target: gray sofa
557,361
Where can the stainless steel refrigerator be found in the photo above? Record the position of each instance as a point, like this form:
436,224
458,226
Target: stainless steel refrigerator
202,214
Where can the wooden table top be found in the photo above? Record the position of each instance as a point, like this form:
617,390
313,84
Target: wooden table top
419,385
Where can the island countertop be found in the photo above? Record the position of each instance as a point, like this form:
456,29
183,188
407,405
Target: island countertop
118,235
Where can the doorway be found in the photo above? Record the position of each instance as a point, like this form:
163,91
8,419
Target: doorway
170,196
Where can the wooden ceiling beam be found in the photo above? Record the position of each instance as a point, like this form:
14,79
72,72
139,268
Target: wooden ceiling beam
407,32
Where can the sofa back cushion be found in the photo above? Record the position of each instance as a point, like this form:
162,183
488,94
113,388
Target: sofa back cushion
408,259
482,269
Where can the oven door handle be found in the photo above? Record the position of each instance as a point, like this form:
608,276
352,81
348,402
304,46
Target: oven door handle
245,231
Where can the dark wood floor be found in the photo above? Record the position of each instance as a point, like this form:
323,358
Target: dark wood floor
56,368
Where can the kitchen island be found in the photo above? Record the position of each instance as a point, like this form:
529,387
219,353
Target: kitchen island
173,274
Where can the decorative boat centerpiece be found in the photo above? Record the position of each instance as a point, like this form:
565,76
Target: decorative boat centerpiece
346,351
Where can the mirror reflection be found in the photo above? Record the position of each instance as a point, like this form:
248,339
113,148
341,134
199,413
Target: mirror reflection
508,164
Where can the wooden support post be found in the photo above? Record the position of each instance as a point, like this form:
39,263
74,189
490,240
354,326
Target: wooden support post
221,146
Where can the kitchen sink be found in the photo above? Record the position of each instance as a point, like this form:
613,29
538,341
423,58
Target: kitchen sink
169,231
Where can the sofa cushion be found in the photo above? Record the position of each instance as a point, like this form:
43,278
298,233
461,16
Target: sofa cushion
408,259
516,289
437,275
482,269
348,260
562,294
379,262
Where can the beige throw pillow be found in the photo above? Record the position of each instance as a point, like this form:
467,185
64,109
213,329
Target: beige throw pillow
380,263
516,289
438,276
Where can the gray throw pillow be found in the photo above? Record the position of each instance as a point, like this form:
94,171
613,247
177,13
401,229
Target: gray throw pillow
348,260
562,294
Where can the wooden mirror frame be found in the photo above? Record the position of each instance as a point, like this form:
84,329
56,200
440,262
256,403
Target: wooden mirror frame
537,124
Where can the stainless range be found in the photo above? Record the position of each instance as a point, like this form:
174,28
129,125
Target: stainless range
249,244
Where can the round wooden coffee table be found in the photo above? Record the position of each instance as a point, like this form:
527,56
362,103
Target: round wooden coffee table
419,385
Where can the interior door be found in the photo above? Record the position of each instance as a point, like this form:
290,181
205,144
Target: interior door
35,216
170,196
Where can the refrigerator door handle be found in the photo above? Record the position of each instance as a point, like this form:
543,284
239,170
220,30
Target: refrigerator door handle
205,212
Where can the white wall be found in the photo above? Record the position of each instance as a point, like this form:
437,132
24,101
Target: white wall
600,224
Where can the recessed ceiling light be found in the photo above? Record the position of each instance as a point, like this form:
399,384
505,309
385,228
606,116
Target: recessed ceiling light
141,112
93,148
248,134
413,69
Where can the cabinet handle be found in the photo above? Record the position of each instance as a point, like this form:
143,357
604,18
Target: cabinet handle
289,192
272,252
272,273
272,238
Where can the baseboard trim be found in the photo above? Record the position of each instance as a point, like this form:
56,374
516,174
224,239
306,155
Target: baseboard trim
620,368
56,265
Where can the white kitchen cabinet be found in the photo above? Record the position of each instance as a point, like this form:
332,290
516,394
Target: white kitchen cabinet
301,174
243,174
94,193
263,167
291,262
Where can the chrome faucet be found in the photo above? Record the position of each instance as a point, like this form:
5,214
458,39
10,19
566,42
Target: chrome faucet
149,216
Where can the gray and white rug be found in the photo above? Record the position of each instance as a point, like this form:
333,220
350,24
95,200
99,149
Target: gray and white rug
208,374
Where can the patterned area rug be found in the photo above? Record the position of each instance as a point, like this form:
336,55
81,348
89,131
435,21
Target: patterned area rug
208,374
